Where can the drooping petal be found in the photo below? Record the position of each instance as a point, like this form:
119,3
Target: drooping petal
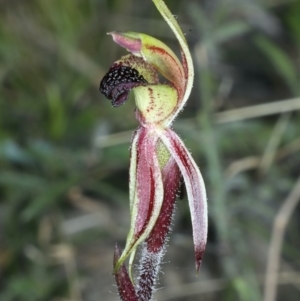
147,166
124,284
171,179
148,192
195,190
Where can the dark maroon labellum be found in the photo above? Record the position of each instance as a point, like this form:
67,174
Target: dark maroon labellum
117,83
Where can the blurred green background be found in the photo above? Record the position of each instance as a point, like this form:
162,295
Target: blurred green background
64,151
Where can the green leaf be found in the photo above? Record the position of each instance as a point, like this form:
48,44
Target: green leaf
230,30
281,62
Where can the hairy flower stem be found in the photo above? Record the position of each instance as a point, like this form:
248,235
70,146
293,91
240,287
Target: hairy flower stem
150,263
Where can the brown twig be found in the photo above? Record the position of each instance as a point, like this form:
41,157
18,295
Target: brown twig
253,162
256,111
273,143
279,227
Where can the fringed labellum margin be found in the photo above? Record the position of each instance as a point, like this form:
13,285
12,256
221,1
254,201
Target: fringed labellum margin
159,158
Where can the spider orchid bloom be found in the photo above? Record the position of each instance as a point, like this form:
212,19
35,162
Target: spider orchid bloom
159,158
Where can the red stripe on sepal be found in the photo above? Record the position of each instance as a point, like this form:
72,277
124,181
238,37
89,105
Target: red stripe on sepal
195,190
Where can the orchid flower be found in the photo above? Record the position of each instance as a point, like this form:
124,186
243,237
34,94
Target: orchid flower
159,159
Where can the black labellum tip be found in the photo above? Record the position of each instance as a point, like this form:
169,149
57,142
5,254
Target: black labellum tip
117,83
